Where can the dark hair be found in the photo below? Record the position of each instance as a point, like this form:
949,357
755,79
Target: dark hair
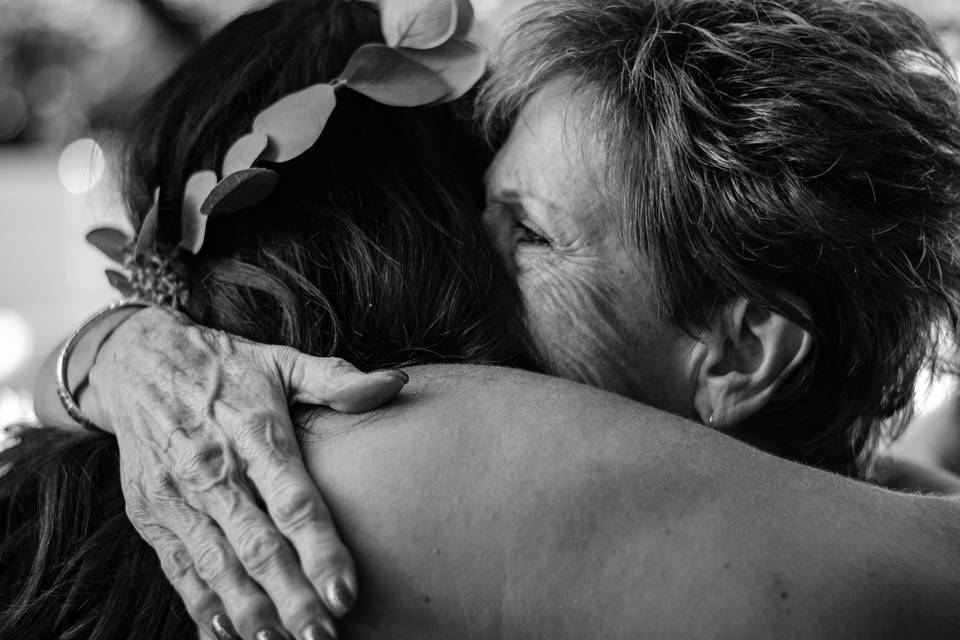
369,249
371,246
776,150
71,564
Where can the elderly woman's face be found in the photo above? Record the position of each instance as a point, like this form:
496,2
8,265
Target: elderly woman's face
589,300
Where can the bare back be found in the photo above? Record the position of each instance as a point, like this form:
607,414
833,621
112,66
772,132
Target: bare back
497,503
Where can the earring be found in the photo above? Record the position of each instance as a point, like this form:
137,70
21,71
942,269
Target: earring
710,420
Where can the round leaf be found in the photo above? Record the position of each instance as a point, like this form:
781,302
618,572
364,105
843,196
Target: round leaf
458,62
240,190
418,24
244,152
389,77
120,282
294,123
147,237
193,225
113,243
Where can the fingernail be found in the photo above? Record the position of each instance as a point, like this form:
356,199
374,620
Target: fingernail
320,631
396,374
338,596
268,634
222,628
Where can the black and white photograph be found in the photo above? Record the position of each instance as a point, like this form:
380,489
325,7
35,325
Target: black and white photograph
479,319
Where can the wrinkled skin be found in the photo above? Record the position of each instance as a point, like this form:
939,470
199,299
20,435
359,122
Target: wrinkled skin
591,307
203,443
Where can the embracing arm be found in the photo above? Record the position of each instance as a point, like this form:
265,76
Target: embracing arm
203,427
496,503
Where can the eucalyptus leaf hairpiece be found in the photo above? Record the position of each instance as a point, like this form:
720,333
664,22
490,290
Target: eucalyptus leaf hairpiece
426,60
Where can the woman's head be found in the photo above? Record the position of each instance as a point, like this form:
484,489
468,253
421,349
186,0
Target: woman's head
800,155
369,249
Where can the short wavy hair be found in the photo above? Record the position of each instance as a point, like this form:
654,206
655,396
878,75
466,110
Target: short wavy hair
776,149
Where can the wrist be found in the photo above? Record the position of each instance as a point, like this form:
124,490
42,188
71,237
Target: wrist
77,358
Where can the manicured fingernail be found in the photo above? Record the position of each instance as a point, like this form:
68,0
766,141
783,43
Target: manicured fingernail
320,631
338,596
268,634
220,624
395,374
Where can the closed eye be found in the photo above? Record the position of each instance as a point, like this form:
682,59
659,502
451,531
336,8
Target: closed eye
526,235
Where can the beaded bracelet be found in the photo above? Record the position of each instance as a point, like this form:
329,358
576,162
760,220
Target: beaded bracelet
69,403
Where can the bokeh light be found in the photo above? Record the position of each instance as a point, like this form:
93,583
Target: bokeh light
81,166
16,408
16,342
13,113
120,23
51,91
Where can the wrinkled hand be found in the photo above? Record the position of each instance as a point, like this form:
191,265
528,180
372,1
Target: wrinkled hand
205,437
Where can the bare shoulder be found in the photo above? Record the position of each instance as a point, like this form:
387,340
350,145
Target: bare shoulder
489,500
497,399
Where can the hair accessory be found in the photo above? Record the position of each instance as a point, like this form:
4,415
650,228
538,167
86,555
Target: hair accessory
64,392
427,60
149,275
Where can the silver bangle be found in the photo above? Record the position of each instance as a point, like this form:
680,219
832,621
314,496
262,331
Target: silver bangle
69,403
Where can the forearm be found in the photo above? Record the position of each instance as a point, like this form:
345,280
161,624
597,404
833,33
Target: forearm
48,407
507,506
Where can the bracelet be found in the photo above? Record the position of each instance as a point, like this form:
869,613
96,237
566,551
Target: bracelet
69,403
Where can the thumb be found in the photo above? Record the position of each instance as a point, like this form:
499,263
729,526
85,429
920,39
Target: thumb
335,383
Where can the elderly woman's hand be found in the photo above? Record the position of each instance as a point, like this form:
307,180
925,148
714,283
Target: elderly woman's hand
206,442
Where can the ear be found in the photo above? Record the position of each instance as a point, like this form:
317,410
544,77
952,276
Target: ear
747,353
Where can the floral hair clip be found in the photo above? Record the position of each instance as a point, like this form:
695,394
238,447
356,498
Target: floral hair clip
426,59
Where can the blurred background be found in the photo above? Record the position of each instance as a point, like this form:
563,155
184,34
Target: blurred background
69,72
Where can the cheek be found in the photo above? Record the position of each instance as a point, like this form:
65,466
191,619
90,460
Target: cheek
598,324
580,312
